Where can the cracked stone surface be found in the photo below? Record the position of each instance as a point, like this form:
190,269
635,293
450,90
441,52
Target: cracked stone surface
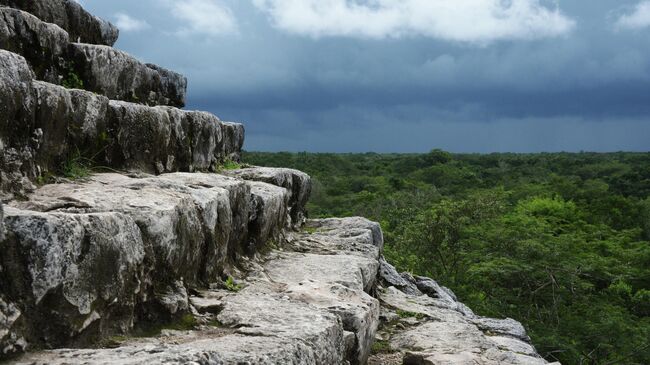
279,316
434,328
71,16
80,259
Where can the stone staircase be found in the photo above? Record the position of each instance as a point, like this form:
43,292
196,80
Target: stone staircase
163,256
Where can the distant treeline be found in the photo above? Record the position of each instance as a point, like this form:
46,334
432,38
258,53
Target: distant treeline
558,241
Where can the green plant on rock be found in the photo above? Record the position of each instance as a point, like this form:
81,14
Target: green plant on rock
407,314
381,347
310,230
76,167
185,323
229,164
72,81
231,285
45,178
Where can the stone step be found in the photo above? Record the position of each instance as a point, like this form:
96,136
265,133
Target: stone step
43,125
71,16
295,308
43,44
120,76
17,164
83,261
296,182
98,68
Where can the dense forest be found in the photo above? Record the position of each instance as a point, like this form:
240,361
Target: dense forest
558,241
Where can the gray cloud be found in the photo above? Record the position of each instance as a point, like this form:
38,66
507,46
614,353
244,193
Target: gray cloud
127,23
353,93
637,17
475,21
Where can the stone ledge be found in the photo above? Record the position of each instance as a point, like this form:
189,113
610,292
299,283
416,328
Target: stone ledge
42,125
283,315
83,261
102,69
71,16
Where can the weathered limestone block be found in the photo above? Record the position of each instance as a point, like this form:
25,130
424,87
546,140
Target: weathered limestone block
390,277
43,44
233,140
443,332
75,277
200,347
204,141
269,214
277,318
355,236
296,182
225,207
18,137
143,137
358,311
73,122
336,271
120,76
195,224
70,15
265,315
2,221
78,123
88,255
165,139
354,272
11,328
166,212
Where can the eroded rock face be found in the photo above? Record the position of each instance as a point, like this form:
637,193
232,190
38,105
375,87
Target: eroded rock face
70,15
435,328
100,253
44,125
279,317
43,44
19,139
296,182
97,68
390,276
83,274
120,76
73,123
10,329
269,214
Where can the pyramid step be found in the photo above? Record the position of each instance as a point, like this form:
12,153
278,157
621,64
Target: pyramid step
16,126
44,125
83,261
71,16
294,308
42,44
120,76
98,68
296,182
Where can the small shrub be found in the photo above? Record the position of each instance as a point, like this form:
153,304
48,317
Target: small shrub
76,167
72,81
230,165
231,285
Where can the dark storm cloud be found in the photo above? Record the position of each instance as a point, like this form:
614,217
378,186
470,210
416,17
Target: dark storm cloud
585,88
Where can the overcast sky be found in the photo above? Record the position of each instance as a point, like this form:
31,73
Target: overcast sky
406,75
